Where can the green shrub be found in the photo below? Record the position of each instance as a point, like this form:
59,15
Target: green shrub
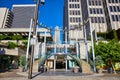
22,60
12,45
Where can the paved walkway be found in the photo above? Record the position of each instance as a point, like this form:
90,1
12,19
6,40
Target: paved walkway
62,75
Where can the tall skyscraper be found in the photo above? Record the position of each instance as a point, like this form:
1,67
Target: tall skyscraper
112,9
72,19
95,10
6,18
23,15
104,15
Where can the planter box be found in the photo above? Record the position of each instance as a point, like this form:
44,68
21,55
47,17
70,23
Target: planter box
76,69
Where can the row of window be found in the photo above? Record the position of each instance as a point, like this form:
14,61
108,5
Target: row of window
74,26
74,12
115,17
113,1
73,0
97,19
96,11
114,8
75,19
95,2
74,5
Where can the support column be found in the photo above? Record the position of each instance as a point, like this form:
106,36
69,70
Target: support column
77,50
86,46
93,53
54,62
28,44
66,49
66,62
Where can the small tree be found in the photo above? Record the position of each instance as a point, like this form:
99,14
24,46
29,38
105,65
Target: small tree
110,52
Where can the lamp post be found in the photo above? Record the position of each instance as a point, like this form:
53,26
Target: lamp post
66,48
93,53
34,37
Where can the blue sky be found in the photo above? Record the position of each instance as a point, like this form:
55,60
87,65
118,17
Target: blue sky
51,14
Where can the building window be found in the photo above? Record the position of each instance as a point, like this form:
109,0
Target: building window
94,10
114,7
101,11
117,17
96,2
113,17
102,20
92,19
70,5
89,2
118,8
97,20
97,11
90,11
78,12
109,1
92,2
70,19
111,10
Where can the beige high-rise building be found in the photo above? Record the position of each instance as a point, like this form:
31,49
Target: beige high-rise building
72,20
95,10
6,18
112,9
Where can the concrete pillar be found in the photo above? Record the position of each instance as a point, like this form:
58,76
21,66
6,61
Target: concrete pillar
54,62
66,62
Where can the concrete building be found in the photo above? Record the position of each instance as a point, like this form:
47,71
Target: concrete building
95,10
6,17
23,15
112,10
72,19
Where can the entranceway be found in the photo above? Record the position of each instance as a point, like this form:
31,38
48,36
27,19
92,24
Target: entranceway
60,65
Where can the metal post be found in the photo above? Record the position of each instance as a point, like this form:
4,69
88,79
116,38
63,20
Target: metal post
55,44
66,48
54,62
92,46
45,37
66,63
86,43
77,45
34,36
28,45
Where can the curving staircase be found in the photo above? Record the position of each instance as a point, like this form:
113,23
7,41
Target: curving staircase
86,68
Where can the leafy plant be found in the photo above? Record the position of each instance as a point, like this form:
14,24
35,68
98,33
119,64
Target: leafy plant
2,37
99,61
12,45
25,43
110,52
22,60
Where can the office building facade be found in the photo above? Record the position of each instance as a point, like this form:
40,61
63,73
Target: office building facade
112,9
94,10
6,18
23,15
73,19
